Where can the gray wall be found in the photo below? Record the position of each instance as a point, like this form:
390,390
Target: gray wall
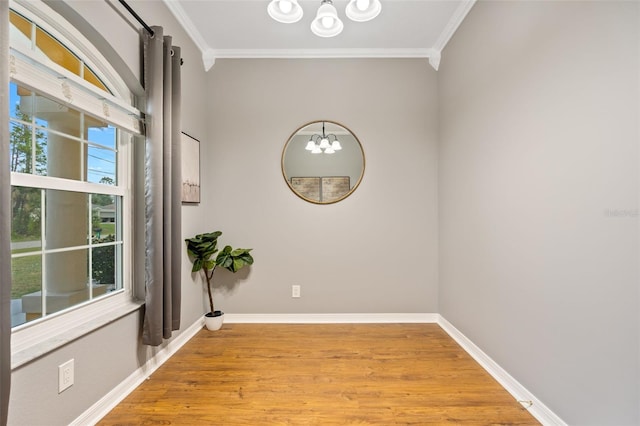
539,199
374,252
106,357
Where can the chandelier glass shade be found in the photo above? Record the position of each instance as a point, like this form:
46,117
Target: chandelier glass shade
285,11
363,10
327,144
326,23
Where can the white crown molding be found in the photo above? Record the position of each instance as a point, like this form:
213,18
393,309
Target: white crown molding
537,409
209,54
434,59
453,24
448,32
208,59
321,53
330,318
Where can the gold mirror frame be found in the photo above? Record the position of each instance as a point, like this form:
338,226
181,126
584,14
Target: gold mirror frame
317,187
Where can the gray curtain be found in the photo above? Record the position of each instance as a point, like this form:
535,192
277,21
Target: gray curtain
162,188
5,219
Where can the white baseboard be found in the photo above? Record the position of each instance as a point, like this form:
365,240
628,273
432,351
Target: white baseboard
330,318
537,409
100,409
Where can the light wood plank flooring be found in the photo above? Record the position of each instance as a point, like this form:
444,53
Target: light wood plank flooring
336,374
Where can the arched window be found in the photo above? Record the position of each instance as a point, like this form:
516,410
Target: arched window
71,126
29,36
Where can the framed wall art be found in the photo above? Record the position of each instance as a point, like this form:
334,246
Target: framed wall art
325,189
190,169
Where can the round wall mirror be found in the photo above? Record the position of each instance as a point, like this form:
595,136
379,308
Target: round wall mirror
323,162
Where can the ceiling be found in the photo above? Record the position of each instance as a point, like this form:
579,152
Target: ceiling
243,29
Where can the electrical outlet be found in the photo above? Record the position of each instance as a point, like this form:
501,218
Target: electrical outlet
65,375
295,291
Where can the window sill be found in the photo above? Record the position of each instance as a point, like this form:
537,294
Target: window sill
33,342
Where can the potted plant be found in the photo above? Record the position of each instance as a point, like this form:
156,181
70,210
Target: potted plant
201,249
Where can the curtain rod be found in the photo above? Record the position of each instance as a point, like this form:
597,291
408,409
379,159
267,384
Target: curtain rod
138,18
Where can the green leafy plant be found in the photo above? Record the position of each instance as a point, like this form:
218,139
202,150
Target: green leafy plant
203,247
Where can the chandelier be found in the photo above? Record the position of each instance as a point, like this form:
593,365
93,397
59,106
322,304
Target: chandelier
326,22
324,143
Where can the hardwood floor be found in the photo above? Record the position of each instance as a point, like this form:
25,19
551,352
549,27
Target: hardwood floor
336,374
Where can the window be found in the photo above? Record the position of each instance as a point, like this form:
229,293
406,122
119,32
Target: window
32,37
66,244
70,164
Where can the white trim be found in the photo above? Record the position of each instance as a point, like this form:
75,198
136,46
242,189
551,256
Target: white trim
53,81
321,53
209,55
186,23
453,24
330,318
62,184
208,58
51,21
33,340
100,409
434,59
537,409
448,31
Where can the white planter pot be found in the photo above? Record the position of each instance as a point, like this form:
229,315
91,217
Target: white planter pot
215,321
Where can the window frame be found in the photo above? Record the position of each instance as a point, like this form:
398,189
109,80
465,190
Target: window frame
38,337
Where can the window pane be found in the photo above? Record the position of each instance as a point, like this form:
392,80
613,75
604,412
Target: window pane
23,136
105,217
66,273
66,219
20,23
19,31
26,287
106,259
56,140
57,52
20,148
64,156
55,116
101,161
26,271
66,279
25,218
104,264
19,103
104,135
93,79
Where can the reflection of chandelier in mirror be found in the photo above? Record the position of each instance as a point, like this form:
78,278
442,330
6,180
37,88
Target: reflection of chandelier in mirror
326,22
324,143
